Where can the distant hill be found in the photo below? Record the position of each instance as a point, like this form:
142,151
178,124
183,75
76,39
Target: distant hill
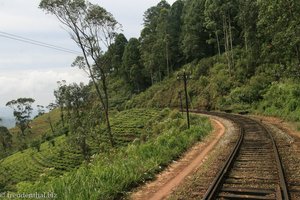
8,122
7,117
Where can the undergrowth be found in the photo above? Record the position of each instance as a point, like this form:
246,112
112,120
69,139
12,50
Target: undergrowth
110,175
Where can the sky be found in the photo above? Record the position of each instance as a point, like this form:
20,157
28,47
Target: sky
32,71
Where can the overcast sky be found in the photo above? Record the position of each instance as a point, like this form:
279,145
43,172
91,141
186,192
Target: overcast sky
31,71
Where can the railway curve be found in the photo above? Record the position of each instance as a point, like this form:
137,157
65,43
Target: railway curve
253,170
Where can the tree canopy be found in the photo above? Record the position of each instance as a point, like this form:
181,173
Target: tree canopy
22,110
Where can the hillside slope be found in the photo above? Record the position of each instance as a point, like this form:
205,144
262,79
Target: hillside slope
111,174
56,158
211,87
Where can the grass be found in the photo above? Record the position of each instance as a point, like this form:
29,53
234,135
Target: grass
112,174
53,161
39,127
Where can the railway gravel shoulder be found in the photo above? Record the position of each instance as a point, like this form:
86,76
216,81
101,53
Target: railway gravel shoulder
288,143
195,186
176,173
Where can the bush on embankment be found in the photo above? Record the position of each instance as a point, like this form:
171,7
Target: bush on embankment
111,175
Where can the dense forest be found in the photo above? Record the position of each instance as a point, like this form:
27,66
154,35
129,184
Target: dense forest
240,55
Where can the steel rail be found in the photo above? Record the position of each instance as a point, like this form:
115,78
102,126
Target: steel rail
214,189
283,185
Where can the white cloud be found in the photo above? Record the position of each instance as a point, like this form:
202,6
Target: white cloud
32,71
37,84
129,13
25,16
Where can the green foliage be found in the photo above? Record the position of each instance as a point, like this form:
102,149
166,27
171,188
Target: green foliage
278,28
194,34
36,144
132,70
175,54
22,112
109,176
282,99
61,155
146,140
251,92
5,138
117,50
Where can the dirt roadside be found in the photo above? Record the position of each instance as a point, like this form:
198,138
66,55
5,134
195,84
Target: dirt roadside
286,127
170,178
175,174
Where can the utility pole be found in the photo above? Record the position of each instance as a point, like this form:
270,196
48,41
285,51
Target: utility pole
184,77
180,98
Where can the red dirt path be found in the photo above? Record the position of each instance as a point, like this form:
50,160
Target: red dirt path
175,174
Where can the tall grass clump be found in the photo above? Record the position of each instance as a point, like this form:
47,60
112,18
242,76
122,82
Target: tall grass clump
111,175
282,100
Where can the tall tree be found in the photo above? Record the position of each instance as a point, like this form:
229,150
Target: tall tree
220,18
154,41
162,42
91,27
51,107
279,30
78,104
41,110
194,34
5,138
134,72
22,112
176,57
117,50
60,99
247,18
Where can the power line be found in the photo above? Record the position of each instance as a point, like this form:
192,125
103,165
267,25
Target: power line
37,43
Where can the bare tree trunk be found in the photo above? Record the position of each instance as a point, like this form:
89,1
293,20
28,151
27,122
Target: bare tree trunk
226,43
246,43
231,43
62,116
103,100
167,59
151,74
245,37
218,43
159,73
110,134
298,53
51,125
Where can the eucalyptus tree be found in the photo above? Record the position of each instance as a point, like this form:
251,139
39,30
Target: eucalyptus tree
247,19
22,108
51,107
220,18
279,30
91,27
194,34
155,41
162,42
147,39
134,71
175,30
41,110
5,138
117,50
79,121
60,99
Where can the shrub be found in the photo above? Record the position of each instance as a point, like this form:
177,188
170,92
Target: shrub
112,174
36,144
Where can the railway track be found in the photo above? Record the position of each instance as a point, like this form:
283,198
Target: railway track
253,170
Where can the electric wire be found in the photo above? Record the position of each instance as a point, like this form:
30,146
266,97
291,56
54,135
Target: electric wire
35,42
